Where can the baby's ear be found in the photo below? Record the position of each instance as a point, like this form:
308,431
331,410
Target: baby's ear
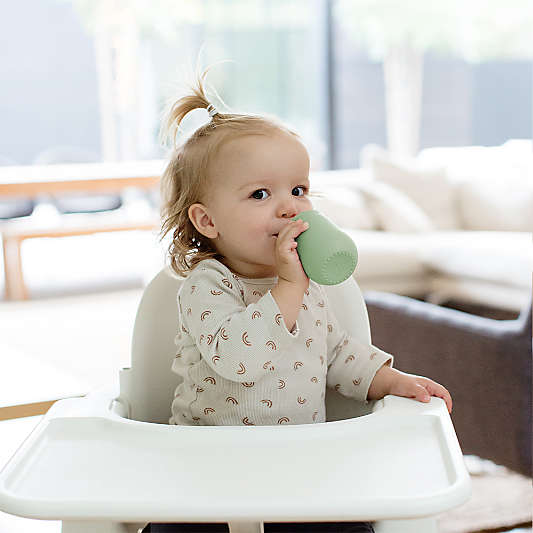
202,221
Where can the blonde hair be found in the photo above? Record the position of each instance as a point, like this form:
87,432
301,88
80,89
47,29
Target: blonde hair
185,179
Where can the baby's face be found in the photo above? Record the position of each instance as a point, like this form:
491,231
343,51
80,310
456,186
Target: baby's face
259,184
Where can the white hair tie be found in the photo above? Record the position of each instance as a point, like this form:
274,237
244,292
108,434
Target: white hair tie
211,110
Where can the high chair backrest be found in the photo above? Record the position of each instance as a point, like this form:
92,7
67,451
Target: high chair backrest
147,388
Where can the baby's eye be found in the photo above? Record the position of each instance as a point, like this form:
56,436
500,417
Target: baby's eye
300,187
258,194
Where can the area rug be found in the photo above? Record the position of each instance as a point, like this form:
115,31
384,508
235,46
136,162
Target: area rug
501,499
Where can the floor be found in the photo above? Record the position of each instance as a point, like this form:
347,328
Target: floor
60,347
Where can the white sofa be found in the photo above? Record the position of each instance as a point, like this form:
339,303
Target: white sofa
450,224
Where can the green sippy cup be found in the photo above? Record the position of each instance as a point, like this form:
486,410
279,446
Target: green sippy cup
328,255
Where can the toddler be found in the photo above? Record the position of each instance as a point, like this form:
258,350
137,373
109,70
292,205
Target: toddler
257,342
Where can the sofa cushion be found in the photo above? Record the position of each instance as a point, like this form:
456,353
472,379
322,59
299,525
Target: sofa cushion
501,297
502,205
346,207
428,187
383,253
462,163
394,211
467,163
498,257
494,186
378,205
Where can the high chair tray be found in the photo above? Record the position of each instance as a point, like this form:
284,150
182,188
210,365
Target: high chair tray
403,460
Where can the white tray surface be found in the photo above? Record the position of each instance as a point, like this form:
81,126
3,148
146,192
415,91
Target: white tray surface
399,464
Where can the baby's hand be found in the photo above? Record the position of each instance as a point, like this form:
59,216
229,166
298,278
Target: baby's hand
287,259
391,381
419,388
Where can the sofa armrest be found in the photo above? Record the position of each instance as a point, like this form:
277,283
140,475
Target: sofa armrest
484,363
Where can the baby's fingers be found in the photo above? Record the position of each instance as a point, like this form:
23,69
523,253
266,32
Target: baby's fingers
287,236
286,243
435,389
292,230
421,394
410,388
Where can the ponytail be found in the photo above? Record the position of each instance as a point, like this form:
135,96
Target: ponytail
178,109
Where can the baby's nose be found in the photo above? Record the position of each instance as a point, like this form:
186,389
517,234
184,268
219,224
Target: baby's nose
289,214
288,209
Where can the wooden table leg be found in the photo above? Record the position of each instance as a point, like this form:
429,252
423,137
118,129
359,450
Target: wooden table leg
15,287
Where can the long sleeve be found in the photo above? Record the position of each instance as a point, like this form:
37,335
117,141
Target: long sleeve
241,343
352,364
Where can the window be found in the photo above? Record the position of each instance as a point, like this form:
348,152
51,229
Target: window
470,73
95,77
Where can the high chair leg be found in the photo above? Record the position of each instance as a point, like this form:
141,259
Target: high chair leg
246,527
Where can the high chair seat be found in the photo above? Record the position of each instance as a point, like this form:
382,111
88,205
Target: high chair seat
110,462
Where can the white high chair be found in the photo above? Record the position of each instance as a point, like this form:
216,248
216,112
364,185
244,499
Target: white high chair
109,462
